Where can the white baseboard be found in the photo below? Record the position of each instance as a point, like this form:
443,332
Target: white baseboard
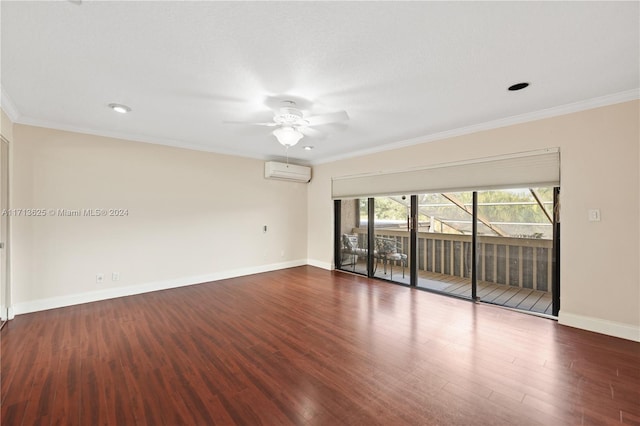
318,264
6,313
94,296
611,328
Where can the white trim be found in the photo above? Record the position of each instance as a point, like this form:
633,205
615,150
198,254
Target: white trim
94,296
611,328
11,313
319,264
132,137
173,143
616,98
8,106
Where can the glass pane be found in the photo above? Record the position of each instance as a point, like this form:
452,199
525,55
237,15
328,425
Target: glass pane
515,242
392,238
353,238
444,242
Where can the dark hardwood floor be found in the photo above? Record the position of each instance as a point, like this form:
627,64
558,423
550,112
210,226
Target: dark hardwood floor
305,346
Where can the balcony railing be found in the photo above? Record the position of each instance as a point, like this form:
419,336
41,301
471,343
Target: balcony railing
515,262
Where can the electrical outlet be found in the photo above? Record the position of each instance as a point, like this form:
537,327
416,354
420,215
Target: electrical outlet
115,276
100,278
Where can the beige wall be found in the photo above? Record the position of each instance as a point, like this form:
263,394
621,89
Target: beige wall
190,214
600,279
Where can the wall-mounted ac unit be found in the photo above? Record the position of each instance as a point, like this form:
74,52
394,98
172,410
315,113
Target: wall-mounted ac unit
283,171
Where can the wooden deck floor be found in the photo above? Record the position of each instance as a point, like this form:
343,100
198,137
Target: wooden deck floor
498,294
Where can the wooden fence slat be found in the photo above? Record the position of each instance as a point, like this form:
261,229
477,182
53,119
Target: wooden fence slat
511,245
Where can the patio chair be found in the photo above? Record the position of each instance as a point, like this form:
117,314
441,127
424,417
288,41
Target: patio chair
350,250
389,251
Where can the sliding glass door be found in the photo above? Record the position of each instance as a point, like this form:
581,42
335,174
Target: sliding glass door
494,246
444,242
352,235
381,224
392,251
516,248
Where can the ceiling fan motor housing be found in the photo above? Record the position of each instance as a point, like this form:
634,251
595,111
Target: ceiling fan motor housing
290,117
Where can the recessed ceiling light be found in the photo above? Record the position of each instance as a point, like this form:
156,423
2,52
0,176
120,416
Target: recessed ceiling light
122,109
518,86
308,148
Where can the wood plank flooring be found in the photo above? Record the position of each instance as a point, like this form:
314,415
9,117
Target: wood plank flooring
305,346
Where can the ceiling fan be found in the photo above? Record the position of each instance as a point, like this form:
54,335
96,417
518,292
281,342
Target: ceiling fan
292,125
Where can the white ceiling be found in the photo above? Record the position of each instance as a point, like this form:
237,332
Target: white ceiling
404,71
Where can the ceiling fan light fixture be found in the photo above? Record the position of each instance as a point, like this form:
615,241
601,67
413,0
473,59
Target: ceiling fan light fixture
287,136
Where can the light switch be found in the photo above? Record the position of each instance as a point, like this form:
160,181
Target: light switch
594,215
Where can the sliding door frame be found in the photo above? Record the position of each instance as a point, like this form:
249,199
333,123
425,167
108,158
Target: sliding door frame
371,237
413,242
474,247
337,226
555,257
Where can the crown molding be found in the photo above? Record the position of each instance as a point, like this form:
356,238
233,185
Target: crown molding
615,98
8,106
174,143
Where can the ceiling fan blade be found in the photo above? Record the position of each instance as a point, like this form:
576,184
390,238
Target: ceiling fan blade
313,133
272,124
334,117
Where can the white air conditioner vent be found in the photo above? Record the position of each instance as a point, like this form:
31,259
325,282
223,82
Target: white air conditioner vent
283,171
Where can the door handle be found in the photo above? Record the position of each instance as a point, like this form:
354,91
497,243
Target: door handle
411,223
